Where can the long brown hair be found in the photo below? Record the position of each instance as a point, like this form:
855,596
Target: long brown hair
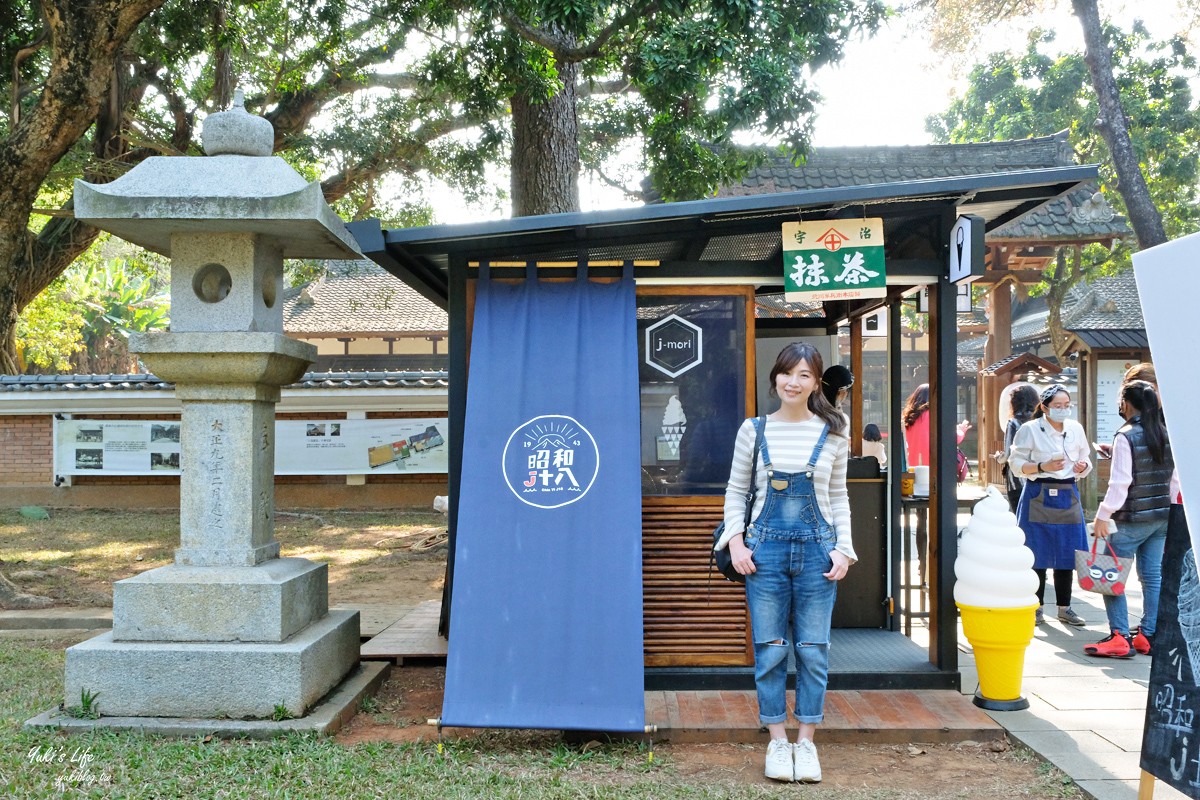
787,360
916,405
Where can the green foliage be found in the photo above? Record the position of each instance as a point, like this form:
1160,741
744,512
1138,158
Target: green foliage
1034,94
674,81
281,713
83,321
50,329
88,708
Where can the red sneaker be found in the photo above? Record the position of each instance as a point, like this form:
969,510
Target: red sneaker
1141,642
1112,646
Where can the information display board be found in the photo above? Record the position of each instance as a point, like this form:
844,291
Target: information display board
302,447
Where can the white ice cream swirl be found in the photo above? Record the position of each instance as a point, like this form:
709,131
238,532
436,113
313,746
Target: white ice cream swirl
994,568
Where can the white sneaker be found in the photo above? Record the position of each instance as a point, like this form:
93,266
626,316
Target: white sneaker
807,765
779,761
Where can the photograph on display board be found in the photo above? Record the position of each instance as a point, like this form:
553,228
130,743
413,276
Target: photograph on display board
164,461
164,432
89,435
89,459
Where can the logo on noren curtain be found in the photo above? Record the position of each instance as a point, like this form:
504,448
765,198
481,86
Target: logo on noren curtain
550,461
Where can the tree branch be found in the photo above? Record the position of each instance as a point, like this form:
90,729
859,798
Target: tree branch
25,52
576,53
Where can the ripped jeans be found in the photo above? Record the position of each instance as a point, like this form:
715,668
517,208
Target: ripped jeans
789,584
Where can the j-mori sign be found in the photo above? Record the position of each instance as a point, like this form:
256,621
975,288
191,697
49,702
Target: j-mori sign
840,259
674,345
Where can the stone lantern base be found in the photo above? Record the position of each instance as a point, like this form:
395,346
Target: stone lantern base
225,680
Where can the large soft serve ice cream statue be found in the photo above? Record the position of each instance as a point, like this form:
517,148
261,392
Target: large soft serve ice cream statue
996,594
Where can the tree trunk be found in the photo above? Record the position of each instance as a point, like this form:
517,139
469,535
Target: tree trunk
1060,282
545,158
1144,217
85,39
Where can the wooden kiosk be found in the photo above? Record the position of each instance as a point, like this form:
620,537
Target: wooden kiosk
700,265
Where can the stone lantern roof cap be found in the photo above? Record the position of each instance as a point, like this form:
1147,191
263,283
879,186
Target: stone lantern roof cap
239,188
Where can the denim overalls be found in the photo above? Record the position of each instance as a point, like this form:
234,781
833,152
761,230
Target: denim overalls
791,543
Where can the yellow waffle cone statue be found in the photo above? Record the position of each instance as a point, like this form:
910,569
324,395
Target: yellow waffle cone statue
995,592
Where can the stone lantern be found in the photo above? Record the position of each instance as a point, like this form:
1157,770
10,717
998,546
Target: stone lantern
230,629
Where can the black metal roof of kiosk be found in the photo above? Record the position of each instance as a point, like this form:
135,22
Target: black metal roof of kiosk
727,238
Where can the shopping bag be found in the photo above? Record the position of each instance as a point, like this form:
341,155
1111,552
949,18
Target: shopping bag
1103,573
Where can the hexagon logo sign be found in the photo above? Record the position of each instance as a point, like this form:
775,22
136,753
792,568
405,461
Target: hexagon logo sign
674,345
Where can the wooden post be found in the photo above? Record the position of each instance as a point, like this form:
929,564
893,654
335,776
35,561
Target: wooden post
1146,786
856,394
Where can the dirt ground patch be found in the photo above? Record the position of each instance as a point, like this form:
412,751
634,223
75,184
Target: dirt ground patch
395,558
399,559
412,695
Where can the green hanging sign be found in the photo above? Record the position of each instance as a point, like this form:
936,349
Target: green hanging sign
840,259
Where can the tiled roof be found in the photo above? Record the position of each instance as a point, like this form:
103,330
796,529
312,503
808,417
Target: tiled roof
1084,214
972,346
849,166
359,297
310,380
1031,327
1110,303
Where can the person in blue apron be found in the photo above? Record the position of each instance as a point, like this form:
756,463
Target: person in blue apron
794,552
1052,452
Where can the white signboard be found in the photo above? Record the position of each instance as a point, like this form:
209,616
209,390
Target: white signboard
302,447
1168,283
967,249
1110,373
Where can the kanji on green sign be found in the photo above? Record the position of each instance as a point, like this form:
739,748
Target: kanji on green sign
834,260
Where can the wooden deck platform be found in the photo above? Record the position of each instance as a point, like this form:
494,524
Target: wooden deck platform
413,635
875,716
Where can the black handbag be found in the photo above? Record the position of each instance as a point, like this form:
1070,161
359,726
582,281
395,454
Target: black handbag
721,558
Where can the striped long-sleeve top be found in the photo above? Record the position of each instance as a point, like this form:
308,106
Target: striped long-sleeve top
790,445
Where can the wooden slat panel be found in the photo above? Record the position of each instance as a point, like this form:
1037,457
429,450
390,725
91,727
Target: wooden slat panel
690,618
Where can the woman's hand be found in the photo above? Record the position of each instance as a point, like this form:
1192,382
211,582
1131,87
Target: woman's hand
841,565
1080,466
1054,464
963,427
743,559
1100,528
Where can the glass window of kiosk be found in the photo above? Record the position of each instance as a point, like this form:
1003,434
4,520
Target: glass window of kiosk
692,374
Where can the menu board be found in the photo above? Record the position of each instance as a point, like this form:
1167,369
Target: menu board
1170,744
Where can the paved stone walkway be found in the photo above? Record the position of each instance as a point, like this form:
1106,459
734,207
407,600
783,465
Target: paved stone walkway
1085,714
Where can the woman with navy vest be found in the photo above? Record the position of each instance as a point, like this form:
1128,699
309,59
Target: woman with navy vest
795,550
1051,451
1133,516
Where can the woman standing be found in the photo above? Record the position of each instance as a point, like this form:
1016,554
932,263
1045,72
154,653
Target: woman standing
1139,502
1023,402
915,417
1051,452
796,549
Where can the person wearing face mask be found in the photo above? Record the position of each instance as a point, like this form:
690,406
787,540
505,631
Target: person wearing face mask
1051,451
1133,515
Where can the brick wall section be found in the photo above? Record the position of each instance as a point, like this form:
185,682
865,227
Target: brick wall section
27,450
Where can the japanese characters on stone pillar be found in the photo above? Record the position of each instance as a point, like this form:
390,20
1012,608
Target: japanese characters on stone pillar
229,628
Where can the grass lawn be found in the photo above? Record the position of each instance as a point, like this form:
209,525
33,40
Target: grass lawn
514,764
